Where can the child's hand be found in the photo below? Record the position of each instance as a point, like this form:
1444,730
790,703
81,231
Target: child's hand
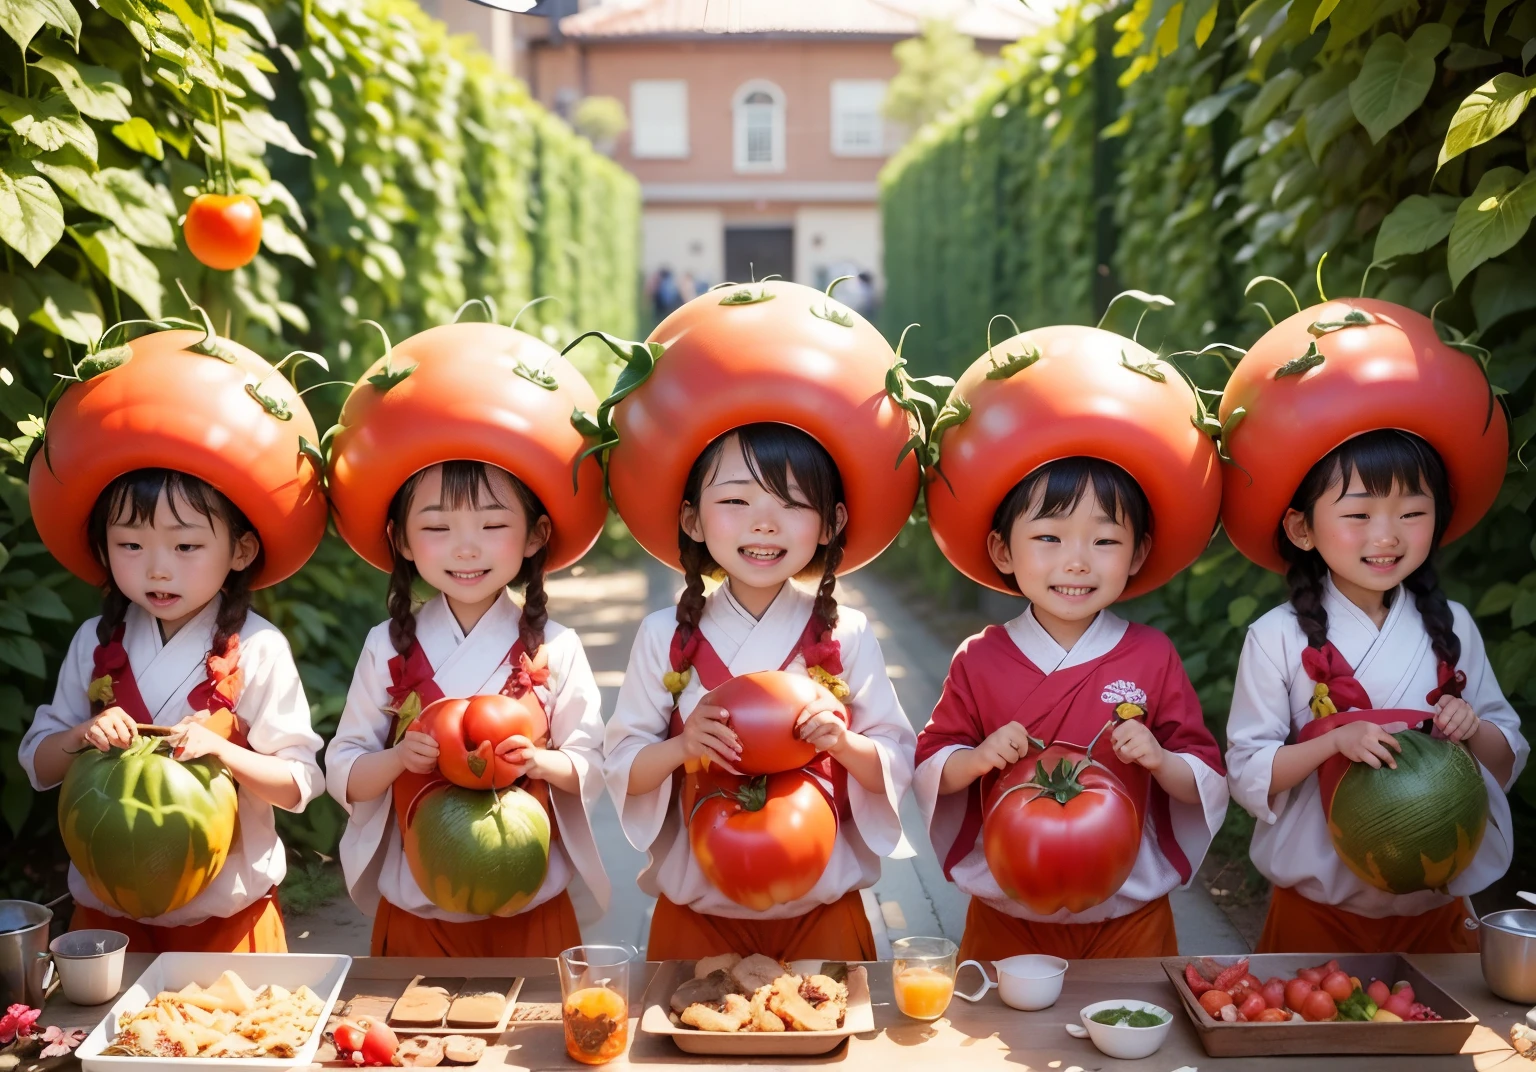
110,729
190,739
1365,742
706,732
417,752
821,724
1002,747
1455,718
1135,744
522,754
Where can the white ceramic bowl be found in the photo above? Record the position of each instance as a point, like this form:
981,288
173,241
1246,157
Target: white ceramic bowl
1031,981
1119,1041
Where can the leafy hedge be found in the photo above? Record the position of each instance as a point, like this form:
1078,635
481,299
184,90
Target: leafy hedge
1187,147
399,174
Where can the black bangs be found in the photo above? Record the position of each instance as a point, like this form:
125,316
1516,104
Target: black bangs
1066,481
1385,460
774,453
466,486
133,498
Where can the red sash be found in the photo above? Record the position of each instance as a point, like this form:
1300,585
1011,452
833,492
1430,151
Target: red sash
413,688
700,656
113,685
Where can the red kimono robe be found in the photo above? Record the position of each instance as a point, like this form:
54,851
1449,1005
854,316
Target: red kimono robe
1017,673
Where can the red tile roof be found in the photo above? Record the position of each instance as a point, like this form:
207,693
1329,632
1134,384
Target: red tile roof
990,20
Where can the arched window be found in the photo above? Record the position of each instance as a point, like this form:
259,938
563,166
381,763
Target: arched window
759,123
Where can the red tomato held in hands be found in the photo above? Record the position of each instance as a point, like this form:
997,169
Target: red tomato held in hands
1297,991
1338,986
1319,1007
468,731
1251,1006
763,707
223,231
1274,993
1378,992
763,841
1060,831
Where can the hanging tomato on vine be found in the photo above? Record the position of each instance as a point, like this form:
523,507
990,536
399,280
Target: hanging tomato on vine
223,230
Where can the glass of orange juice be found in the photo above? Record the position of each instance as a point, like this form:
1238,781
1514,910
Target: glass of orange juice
923,976
594,987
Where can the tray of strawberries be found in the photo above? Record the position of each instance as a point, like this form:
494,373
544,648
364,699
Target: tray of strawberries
1296,1003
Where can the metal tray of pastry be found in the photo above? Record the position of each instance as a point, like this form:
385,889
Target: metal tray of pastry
657,1018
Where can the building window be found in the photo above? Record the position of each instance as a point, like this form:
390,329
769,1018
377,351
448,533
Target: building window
658,110
857,126
759,115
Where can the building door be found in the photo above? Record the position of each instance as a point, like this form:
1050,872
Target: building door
754,252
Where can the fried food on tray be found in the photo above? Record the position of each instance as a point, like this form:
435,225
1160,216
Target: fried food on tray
759,994
708,965
224,1019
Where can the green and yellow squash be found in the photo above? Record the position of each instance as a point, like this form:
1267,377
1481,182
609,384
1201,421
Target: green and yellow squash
482,852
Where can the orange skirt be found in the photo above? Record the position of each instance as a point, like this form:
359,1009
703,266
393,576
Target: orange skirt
993,935
256,929
1296,924
542,931
836,931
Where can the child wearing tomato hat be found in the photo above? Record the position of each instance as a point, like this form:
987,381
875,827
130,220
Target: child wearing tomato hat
1362,442
453,468
761,450
174,479
1068,778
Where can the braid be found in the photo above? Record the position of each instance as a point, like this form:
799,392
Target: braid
114,608
1305,572
690,607
236,604
1435,609
530,628
825,608
402,622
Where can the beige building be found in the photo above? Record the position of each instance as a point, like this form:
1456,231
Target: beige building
756,126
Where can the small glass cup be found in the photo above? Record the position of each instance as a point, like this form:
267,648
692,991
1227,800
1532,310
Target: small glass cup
923,976
594,990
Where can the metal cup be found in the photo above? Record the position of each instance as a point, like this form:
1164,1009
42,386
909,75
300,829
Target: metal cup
25,967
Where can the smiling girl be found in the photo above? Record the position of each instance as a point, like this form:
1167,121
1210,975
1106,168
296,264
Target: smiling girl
1368,648
177,552
711,481
408,499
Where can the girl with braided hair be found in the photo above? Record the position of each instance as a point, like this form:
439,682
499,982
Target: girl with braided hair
1347,477
762,457
456,479
178,512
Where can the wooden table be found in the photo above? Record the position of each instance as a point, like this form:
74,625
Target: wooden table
987,1033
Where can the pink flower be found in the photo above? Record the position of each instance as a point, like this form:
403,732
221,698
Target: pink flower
59,1042
17,1023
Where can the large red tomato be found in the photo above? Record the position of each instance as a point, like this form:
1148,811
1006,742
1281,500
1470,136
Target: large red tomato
763,841
468,731
1069,391
1338,370
765,352
763,707
1060,831
170,406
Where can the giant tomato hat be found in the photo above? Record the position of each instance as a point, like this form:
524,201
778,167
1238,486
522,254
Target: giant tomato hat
771,352
227,418
1333,372
1072,391
465,392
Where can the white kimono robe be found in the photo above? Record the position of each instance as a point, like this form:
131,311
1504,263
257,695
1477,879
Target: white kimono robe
271,703
643,716
1152,876
372,855
1397,668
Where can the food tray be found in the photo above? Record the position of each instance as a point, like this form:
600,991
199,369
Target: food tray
859,1018
377,1006
1222,1039
321,972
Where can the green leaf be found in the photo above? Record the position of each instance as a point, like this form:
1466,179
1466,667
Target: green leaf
139,134
1324,9
1487,112
123,263
16,303
1497,599
1354,18
1326,120
276,238
1395,77
44,602
23,653
1491,221
1204,112
96,91
1416,224
142,211
49,124
1241,609
1501,290
31,218
1491,11
21,19
1272,94
65,307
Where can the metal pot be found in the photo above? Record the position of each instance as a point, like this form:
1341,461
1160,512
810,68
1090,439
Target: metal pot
1508,942
25,967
